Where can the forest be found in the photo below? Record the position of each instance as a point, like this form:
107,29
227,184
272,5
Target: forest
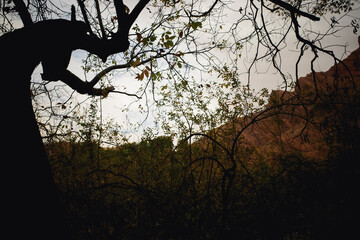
177,119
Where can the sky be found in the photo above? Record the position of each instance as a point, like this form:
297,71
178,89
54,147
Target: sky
114,104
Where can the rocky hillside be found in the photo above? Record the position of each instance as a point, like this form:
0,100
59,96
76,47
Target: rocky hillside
305,120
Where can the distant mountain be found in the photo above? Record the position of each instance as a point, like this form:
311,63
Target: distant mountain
303,121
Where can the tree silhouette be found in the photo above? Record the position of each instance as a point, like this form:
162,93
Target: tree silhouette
31,199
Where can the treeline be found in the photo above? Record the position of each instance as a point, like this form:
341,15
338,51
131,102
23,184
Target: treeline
154,190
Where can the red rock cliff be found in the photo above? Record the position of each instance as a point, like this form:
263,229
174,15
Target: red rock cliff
296,126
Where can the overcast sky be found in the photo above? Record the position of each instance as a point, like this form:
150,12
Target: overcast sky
113,105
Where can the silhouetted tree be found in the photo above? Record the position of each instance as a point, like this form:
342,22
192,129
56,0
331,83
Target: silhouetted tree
31,197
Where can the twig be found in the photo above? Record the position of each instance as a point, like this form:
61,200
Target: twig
125,93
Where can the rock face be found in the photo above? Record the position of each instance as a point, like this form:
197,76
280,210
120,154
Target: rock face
305,120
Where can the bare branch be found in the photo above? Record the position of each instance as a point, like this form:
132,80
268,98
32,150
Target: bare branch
83,11
101,74
125,93
83,87
126,20
294,10
102,29
137,10
119,41
73,13
120,12
207,12
23,12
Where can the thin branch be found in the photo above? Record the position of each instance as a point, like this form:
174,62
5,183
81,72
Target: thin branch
83,11
101,74
316,48
207,12
125,93
102,29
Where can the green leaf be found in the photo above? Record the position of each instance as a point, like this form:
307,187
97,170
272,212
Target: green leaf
196,25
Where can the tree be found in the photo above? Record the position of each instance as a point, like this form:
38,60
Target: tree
52,41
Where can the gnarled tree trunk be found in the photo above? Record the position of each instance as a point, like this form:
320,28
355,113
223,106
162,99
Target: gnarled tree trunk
29,198
31,206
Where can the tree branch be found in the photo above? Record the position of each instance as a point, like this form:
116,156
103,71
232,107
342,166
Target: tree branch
125,93
23,12
120,12
126,20
207,12
83,87
101,74
294,10
83,11
119,41
102,29
137,10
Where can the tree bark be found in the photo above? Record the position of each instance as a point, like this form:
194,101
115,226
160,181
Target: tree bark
30,201
31,205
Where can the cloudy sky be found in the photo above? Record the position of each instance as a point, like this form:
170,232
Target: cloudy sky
262,77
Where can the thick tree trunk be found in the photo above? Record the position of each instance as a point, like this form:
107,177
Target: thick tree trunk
30,204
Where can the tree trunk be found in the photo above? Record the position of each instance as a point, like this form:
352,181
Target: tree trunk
30,199
30,204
